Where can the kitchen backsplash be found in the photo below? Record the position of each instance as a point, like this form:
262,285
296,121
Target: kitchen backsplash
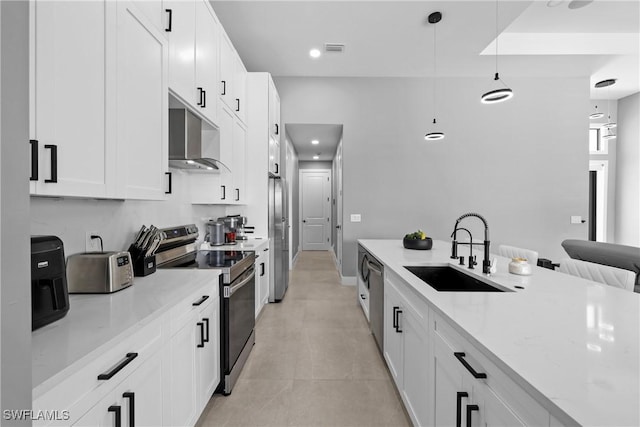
118,221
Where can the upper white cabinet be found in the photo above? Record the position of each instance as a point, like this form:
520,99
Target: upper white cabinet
274,130
142,106
72,154
193,32
98,101
233,79
240,89
239,162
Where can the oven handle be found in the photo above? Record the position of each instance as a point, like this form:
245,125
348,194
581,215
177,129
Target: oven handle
230,290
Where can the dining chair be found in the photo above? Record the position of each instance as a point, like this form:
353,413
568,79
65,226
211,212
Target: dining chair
514,252
605,274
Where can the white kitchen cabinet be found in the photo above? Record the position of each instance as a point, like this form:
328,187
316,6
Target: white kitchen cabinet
262,277
227,71
154,11
194,364
363,296
135,401
74,154
238,170
142,106
406,348
193,47
240,89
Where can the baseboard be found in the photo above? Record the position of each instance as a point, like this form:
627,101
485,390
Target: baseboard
348,280
294,260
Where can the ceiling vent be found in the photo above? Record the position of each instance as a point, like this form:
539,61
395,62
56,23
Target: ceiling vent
334,47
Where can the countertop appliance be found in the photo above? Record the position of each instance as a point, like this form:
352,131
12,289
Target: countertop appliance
99,272
237,304
49,296
371,272
215,233
278,239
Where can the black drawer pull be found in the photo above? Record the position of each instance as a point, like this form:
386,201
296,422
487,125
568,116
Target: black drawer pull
170,12
54,162
363,296
262,269
237,104
34,159
224,88
398,313
206,334
132,407
201,300
169,174
224,192
277,168
201,334
460,357
117,410
200,100
277,129
470,409
237,194
127,359
459,397
204,98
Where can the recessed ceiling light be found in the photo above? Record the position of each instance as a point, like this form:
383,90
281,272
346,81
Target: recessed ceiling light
315,142
316,157
315,53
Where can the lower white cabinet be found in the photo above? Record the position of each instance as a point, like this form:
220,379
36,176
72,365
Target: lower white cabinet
262,277
406,348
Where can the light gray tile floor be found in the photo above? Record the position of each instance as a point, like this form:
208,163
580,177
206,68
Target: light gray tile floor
315,363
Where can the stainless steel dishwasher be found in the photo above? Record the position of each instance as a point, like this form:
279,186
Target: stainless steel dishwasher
375,279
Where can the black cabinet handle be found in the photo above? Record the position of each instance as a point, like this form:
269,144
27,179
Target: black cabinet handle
395,317
201,334
170,175
224,192
204,98
201,300
460,357
277,129
224,88
262,269
362,296
470,409
459,397
170,12
117,410
200,97
34,159
54,162
237,194
127,359
398,313
237,104
206,334
277,168
132,404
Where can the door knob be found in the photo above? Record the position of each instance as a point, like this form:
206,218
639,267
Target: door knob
304,220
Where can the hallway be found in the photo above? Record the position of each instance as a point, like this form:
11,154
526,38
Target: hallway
314,363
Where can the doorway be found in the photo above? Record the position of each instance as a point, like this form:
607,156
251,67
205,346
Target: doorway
598,170
315,209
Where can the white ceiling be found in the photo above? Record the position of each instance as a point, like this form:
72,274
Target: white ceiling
301,135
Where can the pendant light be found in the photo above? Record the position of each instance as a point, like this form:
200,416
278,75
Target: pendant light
501,94
596,114
434,18
609,125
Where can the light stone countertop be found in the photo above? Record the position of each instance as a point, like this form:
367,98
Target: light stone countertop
251,244
94,320
571,343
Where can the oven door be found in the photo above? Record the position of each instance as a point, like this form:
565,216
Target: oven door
238,316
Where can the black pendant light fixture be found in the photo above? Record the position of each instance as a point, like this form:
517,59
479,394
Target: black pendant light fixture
434,18
596,114
503,93
609,125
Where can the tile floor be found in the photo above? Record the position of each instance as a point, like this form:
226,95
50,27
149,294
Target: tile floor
315,363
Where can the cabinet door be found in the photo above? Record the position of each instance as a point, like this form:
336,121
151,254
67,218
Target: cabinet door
182,374
258,280
105,413
226,120
448,405
182,49
240,88
393,330
274,111
206,82
239,162
209,355
142,106
416,367
70,90
142,391
494,412
227,64
264,276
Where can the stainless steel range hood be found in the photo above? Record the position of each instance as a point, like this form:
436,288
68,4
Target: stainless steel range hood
187,149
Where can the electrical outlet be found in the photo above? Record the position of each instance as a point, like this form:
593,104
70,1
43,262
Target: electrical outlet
356,218
576,219
92,245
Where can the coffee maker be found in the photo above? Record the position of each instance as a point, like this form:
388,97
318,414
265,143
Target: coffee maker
49,295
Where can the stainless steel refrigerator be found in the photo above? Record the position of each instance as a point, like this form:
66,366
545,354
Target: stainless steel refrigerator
278,239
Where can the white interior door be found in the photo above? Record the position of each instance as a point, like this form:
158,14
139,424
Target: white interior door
338,197
315,197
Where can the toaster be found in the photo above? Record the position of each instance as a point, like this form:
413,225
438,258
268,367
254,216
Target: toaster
99,272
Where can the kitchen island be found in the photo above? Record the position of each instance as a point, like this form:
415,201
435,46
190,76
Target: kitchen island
570,344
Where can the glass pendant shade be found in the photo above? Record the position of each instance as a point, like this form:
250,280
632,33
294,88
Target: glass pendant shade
609,125
596,114
608,136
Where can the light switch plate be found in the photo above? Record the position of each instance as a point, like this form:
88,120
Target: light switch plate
356,217
576,219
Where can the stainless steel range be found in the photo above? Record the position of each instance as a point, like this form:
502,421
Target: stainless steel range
237,296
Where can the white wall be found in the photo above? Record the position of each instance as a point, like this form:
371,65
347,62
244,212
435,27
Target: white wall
522,164
628,171
15,283
117,221
314,164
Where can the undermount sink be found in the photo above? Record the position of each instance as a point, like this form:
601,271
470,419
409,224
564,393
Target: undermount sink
449,279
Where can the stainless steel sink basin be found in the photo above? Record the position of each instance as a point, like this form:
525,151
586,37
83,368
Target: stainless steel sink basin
449,279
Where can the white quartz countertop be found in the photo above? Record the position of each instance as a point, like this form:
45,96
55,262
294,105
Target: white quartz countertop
571,343
98,319
251,244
